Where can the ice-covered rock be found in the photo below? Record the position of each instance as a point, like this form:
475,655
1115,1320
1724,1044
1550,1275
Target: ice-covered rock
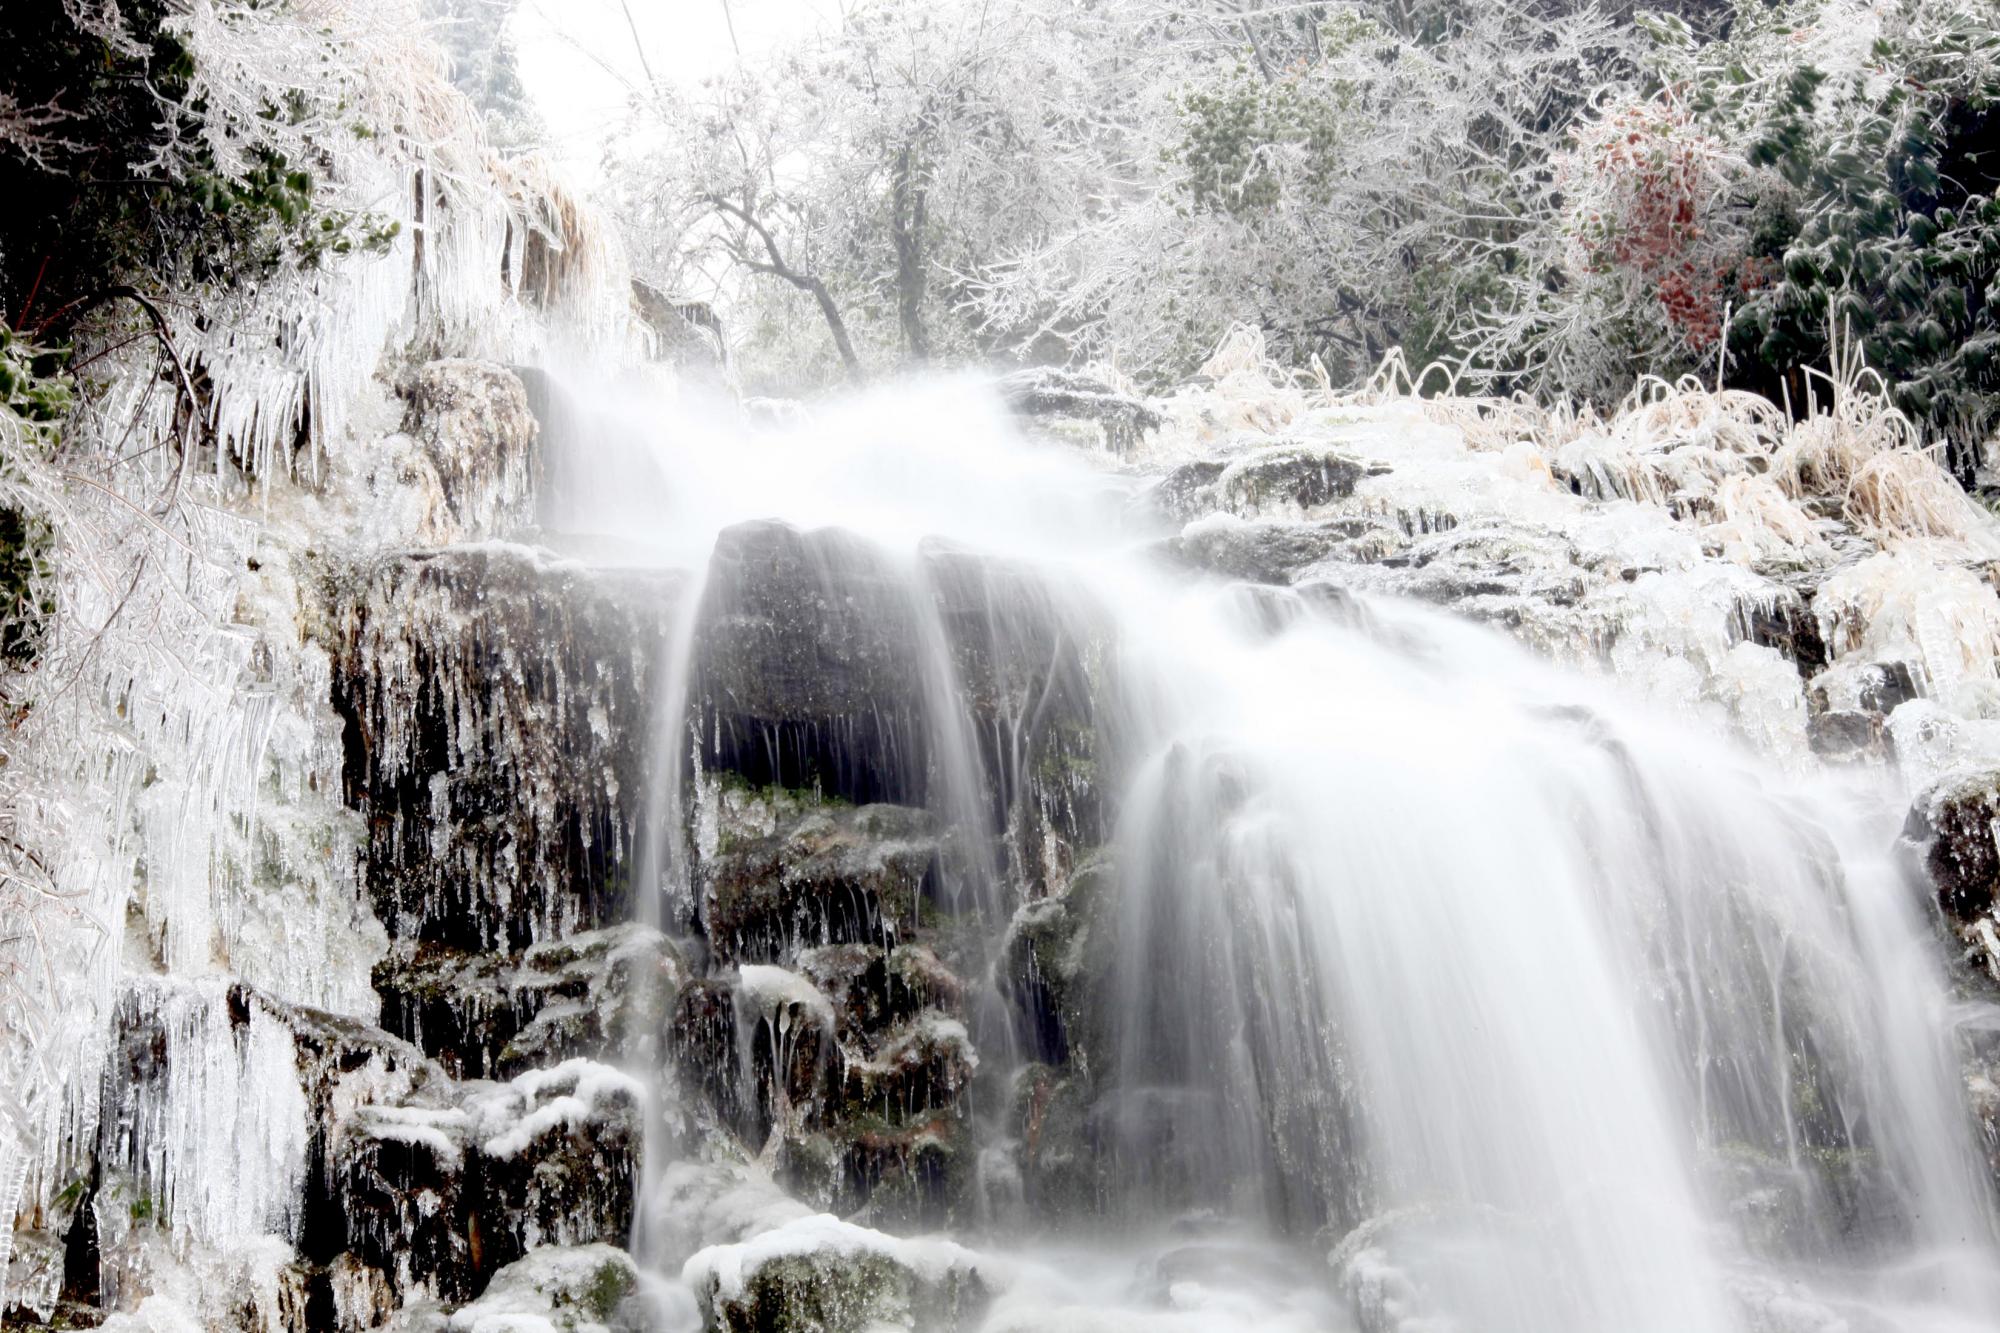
497,701
555,1289
821,1274
438,1192
1075,405
600,993
1955,824
831,875
1276,480
472,420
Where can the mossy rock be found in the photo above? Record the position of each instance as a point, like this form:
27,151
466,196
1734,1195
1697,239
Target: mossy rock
821,1275
832,876
1062,1173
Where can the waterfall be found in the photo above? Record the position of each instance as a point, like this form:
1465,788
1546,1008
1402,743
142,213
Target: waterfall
1521,1002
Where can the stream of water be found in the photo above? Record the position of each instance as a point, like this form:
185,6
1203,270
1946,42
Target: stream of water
1534,1008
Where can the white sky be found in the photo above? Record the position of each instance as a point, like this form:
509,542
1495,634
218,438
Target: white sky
579,62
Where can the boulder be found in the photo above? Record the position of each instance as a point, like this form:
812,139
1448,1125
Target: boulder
472,420
1076,404
1048,961
440,1191
818,1274
1952,827
558,1288
1281,480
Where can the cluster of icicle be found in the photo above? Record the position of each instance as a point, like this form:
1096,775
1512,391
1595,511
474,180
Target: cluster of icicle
173,755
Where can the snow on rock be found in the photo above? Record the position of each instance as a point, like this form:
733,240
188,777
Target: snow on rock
550,1158
818,1272
556,1289
766,992
1661,544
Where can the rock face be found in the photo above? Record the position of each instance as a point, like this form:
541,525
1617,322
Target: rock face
497,703
261,1165
953,682
472,421
808,670
1952,826
496,1015
830,1037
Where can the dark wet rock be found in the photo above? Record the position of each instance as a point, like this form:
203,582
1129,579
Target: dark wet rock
831,875
1787,624
496,704
873,988
1052,955
1846,735
1953,823
557,1162
807,670
1878,688
1951,828
1025,650
1051,395
404,1204
1061,1156
831,1039
821,665
918,1067
600,993
702,1043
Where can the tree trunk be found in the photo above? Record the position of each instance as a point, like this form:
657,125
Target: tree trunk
907,230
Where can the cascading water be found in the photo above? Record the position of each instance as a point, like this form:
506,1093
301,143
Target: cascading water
1536,1009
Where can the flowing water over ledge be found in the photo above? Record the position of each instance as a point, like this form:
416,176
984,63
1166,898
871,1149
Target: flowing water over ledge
1294,862
1521,1001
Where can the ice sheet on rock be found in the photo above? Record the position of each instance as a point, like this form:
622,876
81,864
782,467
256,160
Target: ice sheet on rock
513,1116
725,1270
764,991
1914,603
575,1289
207,1110
480,677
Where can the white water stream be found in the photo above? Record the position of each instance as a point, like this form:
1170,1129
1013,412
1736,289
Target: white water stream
1536,1007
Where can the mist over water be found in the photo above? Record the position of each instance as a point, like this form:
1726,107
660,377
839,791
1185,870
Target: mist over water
1535,1009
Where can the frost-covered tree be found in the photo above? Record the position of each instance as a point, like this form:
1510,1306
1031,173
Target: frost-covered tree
1348,204
1555,196
849,195
485,67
